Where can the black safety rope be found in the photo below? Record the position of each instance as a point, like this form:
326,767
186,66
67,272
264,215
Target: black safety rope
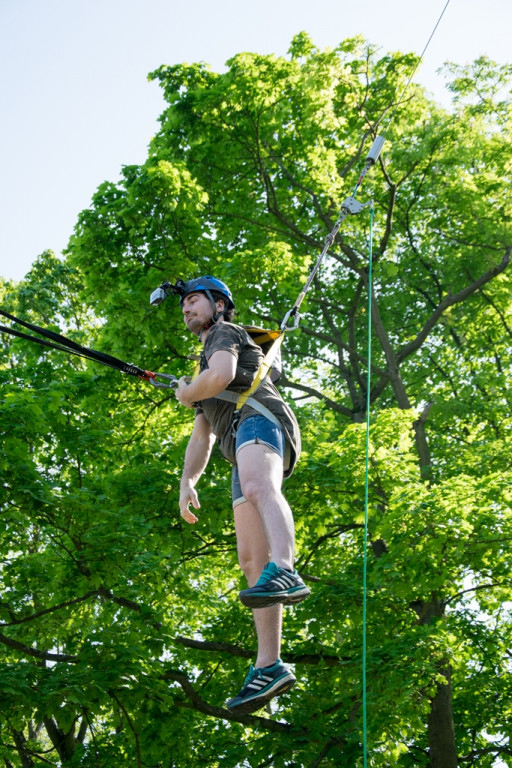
63,344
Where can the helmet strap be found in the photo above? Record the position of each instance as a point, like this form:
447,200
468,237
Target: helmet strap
215,315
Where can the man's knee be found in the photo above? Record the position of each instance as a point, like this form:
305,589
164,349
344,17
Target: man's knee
254,490
261,490
252,563
261,473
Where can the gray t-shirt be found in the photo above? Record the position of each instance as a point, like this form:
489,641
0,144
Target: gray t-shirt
219,413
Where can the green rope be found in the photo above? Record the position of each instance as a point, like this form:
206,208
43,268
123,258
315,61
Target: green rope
366,484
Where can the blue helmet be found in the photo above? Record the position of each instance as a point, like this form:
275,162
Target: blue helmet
205,284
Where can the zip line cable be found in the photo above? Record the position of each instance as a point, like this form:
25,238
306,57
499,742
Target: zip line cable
422,54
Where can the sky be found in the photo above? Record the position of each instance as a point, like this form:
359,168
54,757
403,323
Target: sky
76,104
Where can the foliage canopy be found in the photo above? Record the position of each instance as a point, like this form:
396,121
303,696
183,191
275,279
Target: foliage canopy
120,631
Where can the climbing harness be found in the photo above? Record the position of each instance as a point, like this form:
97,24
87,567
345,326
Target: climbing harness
269,366
63,344
270,343
267,340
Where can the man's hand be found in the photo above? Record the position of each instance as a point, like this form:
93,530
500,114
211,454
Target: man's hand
189,496
182,394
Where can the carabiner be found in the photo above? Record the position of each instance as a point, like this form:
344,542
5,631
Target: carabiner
293,312
173,381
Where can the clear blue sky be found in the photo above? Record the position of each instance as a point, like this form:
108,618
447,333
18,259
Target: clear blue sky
76,104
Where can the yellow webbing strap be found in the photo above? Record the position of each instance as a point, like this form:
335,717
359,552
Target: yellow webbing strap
197,371
264,368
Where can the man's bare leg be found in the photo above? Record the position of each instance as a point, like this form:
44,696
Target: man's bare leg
261,475
253,554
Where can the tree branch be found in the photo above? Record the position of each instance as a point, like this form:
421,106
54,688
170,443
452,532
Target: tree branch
214,646
130,725
354,355
235,650
52,609
473,589
196,702
389,220
285,382
45,655
449,301
494,750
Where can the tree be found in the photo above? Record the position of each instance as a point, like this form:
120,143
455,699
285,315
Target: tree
127,623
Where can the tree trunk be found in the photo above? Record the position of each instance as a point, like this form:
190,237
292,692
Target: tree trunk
64,743
440,727
21,748
441,731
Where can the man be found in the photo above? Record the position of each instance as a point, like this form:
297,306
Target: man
263,448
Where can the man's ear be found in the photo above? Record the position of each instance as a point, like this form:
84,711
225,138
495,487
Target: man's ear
221,306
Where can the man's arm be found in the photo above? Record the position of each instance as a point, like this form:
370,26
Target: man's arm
210,382
197,455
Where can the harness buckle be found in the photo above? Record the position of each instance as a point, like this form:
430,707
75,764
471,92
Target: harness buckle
234,423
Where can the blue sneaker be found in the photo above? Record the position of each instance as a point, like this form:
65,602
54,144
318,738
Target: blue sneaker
275,585
260,686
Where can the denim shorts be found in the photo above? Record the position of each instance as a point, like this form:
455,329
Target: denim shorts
255,429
